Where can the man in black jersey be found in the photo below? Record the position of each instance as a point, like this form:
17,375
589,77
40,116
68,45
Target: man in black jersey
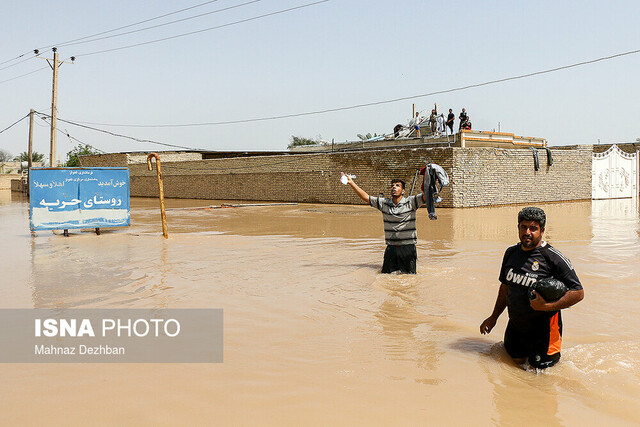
534,331
450,118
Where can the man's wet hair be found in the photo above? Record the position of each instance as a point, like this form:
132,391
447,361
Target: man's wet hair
532,213
393,181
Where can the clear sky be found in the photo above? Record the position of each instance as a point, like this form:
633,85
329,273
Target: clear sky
334,54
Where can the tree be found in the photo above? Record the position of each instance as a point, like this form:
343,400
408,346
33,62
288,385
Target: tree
5,156
73,156
297,141
24,157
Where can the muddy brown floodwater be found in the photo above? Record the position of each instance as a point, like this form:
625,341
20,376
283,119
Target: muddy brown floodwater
313,333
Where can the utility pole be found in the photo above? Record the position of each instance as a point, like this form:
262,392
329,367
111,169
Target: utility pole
54,101
30,152
54,109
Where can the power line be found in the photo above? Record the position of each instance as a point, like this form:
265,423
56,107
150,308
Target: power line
14,123
17,63
121,135
69,42
23,75
17,57
66,133
159,25
72,138
132,25
370,104
205,29
165,38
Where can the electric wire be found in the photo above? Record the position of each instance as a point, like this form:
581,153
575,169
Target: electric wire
23,75
13,59
68,42
370,104
171,37
203,30
17,63
72,138
159,25
132,25
123,136
14,123
66,133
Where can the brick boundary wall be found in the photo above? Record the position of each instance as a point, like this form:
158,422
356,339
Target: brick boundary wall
491,176
479,176
305,178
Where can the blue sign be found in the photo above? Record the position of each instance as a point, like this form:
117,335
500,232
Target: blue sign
63,198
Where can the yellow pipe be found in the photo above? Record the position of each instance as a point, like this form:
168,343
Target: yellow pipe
159,173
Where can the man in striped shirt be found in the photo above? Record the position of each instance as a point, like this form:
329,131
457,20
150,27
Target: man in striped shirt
399,216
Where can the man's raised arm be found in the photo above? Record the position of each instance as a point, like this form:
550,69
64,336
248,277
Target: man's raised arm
359,191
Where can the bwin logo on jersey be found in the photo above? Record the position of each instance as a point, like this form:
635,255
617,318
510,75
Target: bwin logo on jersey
535,266
520,279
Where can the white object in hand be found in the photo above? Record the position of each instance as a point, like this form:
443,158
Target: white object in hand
345,178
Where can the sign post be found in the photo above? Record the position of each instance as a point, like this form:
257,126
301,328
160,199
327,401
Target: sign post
64,198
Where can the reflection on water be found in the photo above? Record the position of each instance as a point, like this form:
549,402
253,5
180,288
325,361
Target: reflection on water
313,331
614,225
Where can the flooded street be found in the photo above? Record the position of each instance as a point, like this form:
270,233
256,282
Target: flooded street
313,333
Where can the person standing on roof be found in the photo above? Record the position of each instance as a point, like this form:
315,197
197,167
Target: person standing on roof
450,118
416,124
433,119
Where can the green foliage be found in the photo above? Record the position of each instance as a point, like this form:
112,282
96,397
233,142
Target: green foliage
73,156
24,157
297,141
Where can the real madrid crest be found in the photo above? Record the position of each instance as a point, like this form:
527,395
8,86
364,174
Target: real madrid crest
535,266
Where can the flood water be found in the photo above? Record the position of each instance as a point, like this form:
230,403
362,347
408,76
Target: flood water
313,333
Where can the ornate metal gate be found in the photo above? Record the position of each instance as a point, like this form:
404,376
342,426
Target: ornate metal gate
614,174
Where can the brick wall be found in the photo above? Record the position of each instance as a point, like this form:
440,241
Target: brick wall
479,176
492,176
115,160
124,159
311,178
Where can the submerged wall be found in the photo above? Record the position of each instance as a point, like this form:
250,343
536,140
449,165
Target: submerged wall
479,176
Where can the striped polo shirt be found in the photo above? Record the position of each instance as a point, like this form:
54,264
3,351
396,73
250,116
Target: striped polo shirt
400,219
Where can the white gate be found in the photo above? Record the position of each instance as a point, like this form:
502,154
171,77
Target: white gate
614,174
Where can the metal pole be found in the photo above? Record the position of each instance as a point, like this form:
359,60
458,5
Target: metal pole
30,152
414,181
54,110
161,189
